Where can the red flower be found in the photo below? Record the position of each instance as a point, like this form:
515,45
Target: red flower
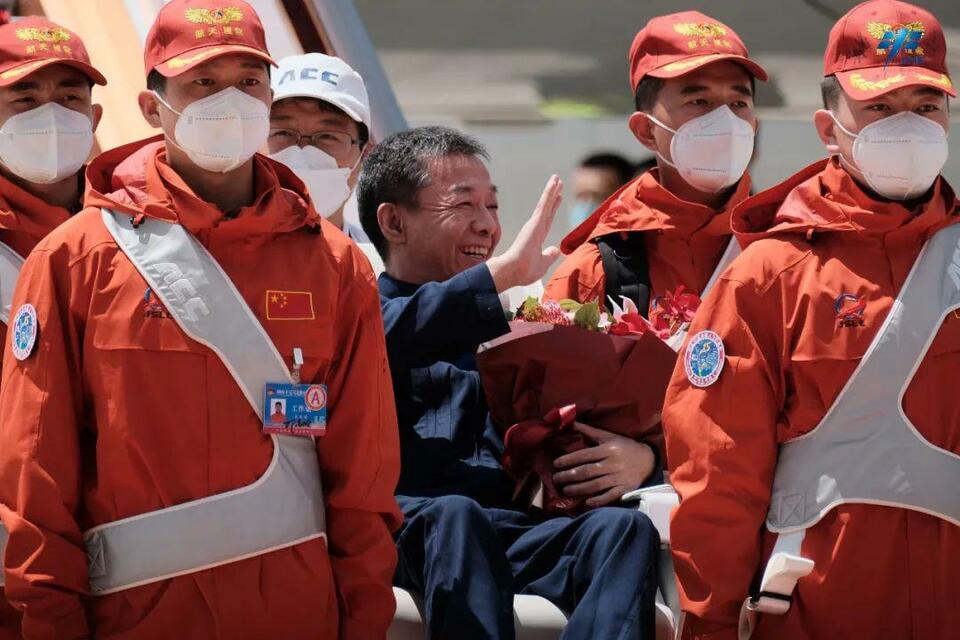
672,310
630,324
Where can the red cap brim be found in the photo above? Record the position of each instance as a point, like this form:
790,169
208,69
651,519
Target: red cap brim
18,73
864,84
687,65
189,59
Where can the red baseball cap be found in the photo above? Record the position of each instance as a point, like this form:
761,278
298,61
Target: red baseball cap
882,45
674,45
31,44
190,32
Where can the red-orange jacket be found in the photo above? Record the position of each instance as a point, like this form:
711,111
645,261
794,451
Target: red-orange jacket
24,221
684,240
880,572
118,413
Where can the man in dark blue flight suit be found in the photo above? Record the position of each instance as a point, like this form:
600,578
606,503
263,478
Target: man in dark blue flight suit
428,205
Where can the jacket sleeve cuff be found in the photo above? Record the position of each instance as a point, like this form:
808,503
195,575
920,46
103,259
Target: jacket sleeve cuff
486,299
656,475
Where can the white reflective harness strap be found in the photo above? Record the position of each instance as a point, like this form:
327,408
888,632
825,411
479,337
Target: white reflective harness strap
283,507
729,255
10,264
894,465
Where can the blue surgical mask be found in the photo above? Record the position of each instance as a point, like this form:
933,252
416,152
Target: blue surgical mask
580,210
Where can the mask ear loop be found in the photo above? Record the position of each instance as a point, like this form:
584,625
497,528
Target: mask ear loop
836,152
665,128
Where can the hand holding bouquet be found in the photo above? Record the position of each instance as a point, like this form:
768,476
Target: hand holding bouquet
565,361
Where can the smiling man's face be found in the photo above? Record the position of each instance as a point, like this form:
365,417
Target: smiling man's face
455,223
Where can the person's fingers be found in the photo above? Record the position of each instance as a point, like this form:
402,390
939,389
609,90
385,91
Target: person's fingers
581,473
607,497
597,435
590,487
583,456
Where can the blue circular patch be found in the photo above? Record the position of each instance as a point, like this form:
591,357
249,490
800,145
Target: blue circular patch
23,332
704,359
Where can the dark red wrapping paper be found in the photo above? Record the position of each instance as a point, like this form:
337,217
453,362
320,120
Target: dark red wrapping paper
541,377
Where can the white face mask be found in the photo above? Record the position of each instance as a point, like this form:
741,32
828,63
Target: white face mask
712,151
900,156
327,183
221,132
46,144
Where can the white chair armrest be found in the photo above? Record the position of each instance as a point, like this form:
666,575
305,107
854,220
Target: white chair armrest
658,502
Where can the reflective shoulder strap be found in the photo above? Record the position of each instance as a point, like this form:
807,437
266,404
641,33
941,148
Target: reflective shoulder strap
202,299
284,507
10,264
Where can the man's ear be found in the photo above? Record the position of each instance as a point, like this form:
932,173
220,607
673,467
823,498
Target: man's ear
150,108
826,130
391,221
642,128
97,112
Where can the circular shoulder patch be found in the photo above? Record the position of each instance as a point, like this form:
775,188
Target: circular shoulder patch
23,332
704,359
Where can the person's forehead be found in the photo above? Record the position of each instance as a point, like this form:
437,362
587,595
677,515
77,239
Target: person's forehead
593,174
458,172
718,75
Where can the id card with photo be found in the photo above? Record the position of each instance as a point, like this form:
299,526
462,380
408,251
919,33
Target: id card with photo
295,409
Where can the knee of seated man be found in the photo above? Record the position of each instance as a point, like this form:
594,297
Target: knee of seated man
454,510
618,523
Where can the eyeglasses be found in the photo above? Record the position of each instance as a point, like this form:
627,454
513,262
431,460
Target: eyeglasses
335,143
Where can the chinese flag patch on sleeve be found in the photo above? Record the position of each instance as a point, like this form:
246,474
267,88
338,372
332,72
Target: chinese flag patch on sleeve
289,305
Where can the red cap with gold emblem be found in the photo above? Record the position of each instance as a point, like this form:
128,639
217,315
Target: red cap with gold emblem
882,45
189,32
674,45
33,43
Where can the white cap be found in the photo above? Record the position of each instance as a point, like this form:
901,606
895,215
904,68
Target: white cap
314,75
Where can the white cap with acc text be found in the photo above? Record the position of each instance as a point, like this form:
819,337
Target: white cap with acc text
315,75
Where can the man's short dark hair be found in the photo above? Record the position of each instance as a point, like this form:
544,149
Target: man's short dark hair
830,91
615,162
397,169
156,82
649,89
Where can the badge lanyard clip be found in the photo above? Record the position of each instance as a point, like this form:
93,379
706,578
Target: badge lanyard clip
297,363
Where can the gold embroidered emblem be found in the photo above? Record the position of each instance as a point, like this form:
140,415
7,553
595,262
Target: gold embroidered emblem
863,84
43,34
943,80
690,62
218,17
897,39
177,63
22,70
700,29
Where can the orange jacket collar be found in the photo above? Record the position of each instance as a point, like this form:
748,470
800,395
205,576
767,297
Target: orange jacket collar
137,180
24,213
645,205
825,198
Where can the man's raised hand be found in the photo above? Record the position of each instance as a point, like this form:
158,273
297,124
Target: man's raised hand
526,260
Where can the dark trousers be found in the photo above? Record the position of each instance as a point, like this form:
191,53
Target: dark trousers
600,568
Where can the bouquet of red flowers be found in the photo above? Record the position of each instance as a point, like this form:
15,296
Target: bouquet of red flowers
565,361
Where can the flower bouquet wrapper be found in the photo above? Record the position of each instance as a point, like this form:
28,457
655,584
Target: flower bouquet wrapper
540,378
